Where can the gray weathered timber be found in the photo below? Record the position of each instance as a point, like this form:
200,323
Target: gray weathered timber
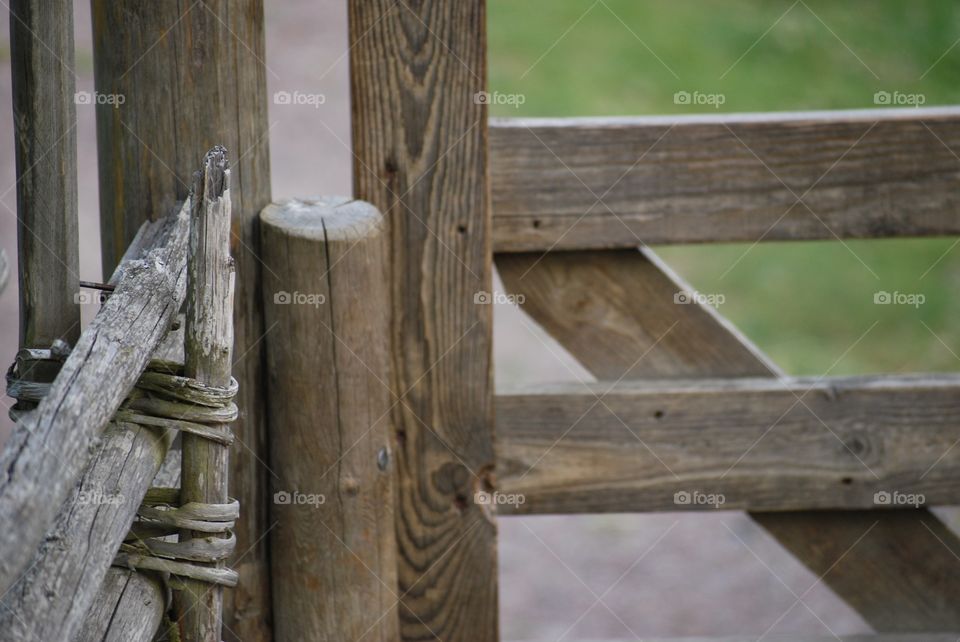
763,444
129,608
194,77
887,590
590,183
129,605
51,446
45,120
420,146
334,563
51,599
208,353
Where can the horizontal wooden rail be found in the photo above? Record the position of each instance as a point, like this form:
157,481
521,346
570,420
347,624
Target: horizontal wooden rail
755,444
616,182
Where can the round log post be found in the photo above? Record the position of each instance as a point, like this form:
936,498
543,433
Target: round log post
333,551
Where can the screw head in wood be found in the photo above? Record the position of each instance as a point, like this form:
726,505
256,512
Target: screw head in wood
383,458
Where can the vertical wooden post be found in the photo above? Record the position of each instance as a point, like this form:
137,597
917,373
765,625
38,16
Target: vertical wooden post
420,141
208,348
45,119
44,114
333,550
192,75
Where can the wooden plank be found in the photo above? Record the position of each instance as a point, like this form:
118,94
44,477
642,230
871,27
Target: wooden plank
193,76
51,446
593,298
45,120
619,182
52,598
130,604
58,593
876,585
132,609
757,444
900,577
333,552
208,350
420,140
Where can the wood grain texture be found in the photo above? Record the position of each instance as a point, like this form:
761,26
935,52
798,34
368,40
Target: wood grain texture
419,138
52,598
193,77
876,586
593,298
51,446
208,353
130,610
130,604
60,586
45,120
764,444
619,182
900,576
334,562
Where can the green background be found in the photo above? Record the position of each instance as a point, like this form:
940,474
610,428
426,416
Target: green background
809,305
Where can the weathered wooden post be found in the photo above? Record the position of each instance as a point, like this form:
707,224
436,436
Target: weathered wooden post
208,348
50,598
418,71
44,114
333,548
192,77
45,119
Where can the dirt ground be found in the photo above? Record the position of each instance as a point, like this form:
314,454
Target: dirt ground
598,577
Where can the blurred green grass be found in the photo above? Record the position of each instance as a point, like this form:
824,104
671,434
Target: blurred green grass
809,305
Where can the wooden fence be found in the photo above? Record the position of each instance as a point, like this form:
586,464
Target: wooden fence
381,404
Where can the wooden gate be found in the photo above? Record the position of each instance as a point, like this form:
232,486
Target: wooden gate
686,408
685,404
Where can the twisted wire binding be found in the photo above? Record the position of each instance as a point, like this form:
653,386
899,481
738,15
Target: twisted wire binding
161,398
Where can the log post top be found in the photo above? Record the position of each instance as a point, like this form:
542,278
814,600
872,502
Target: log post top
324,218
